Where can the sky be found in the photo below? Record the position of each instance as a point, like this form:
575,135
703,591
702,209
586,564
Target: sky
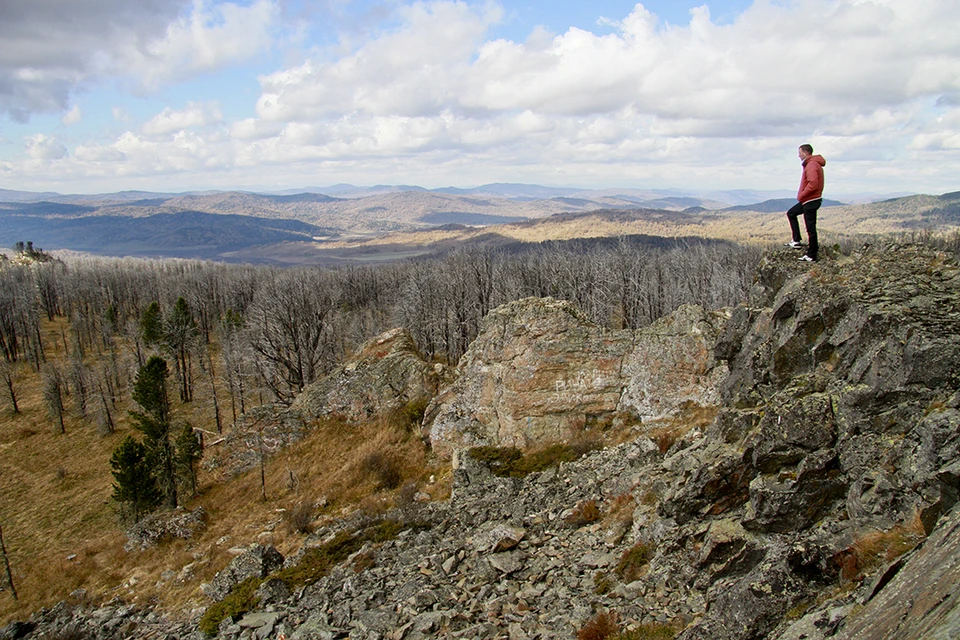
269,95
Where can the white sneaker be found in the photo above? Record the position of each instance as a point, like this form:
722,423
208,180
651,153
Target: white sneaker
793,244
807,259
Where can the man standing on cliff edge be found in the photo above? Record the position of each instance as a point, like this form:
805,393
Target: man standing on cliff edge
809,199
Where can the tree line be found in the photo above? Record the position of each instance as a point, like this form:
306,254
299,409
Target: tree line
99,332
269,331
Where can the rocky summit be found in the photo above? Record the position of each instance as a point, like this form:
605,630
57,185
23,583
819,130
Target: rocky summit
818,501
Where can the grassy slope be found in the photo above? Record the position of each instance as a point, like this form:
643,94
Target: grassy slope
62,533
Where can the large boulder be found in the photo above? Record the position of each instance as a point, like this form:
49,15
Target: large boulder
541,372
258,561
160,526
672,363
386,374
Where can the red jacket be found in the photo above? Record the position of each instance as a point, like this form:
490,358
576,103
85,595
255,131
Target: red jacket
811,183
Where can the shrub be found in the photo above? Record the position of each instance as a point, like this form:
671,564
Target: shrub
665,438
409,416
633,563
650,631
384,469
502,461
510,462
363,561
601,583
876,548
599,627
622,508
586,512
299,518
317,561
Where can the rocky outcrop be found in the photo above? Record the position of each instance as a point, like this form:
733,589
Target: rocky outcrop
540,372
259,561
840,425
262,431
387,374
163,526
835,451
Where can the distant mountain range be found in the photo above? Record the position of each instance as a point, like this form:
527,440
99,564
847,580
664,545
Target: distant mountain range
510,191
343,221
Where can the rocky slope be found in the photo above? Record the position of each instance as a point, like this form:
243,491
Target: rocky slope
819,503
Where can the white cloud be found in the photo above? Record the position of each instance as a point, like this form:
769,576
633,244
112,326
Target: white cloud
51,47
195,115
435,98
210,37
411,71
250,129
40,147
73,116
95,153
777,68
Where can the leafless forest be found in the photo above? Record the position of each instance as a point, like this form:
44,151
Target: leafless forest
268,332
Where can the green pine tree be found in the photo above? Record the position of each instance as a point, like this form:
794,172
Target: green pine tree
151,324
135,486
150,392
189,452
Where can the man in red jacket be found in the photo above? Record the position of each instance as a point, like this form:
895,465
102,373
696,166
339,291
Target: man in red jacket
809,199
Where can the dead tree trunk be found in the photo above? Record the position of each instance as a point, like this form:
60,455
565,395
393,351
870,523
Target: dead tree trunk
6,564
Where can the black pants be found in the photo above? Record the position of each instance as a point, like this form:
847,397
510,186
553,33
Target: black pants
809,211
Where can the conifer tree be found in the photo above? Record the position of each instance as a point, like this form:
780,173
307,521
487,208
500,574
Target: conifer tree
180,330
135,485
150,392
151,324
189,452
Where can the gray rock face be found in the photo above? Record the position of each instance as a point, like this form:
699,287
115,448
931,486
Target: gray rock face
387,374
540,372
164,525
260,561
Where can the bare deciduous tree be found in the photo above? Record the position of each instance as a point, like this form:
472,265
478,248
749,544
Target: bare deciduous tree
289,330
54,388
10,377
6,564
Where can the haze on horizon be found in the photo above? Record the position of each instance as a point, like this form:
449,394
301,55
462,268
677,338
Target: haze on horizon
268,95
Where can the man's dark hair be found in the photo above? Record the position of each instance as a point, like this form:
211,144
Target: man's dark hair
807,148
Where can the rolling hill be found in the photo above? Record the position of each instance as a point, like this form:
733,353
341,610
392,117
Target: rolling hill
386,223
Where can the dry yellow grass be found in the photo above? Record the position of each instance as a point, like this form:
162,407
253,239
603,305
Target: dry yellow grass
667,431
62,533
876,548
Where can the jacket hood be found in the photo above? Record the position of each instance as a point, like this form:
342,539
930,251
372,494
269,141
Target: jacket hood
817,158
